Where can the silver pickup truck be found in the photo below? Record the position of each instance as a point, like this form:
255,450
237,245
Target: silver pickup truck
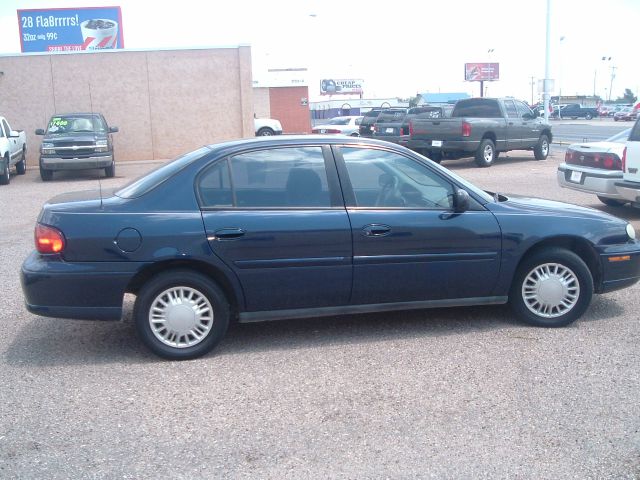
481,128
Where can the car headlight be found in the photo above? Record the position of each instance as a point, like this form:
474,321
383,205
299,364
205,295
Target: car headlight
631,232
48,149
102,146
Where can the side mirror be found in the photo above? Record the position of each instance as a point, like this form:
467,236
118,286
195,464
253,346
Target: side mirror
113,129
461,201
39,131
13,134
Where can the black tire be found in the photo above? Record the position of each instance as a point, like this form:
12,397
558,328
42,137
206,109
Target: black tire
571,268
436,157
110,171
486,153
355,134
21,166
611,202
5,176
588,116
265,132
615,119
46,175
205,289
541,150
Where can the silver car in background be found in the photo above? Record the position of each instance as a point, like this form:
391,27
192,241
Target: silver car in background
595,167
346,125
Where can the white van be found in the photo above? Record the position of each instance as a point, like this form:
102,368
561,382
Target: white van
629,187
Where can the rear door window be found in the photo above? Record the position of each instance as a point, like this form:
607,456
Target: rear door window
512,111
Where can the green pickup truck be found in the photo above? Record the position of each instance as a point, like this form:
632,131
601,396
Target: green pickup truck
481,128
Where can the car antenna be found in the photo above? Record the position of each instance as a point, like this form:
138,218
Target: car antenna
100,188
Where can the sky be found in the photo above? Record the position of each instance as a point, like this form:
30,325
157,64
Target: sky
397,48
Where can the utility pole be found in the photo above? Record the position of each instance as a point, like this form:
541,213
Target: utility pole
531,77
613,75
545,95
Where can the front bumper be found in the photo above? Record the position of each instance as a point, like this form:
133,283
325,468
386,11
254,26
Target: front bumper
592,180
78,290
617,273
83,163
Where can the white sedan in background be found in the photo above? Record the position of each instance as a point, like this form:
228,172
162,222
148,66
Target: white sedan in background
347,125
595,167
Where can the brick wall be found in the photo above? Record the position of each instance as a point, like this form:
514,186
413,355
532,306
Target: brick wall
285,106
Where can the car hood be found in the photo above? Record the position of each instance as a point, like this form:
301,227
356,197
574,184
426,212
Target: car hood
74,137
532,205
599,147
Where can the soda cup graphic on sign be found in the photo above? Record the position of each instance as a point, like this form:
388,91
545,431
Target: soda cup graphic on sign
99,34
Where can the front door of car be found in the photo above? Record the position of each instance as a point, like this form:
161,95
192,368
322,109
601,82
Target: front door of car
276,217
408,244
531,126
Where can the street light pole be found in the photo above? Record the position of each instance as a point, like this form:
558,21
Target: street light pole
545,94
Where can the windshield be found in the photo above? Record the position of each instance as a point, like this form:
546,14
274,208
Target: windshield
76,123
620,137
145,183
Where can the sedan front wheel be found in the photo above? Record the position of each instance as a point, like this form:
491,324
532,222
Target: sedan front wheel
552,288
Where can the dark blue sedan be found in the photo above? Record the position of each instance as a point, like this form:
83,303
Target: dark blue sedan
296,227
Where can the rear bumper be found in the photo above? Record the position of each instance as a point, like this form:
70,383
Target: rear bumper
83,290
619,274
628,190
592,180
448,146
58,163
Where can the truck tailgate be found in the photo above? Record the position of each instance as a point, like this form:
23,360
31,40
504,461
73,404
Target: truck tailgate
436,129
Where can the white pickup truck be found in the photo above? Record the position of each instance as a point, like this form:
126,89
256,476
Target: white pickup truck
629,187
13,151
265,127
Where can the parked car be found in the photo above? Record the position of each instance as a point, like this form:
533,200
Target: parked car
626,114
595,167
482,127
575,111
393,125
13,151
629,187
77,141
310,226
347,125
367,125
265,127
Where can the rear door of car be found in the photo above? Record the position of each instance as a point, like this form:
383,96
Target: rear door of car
276,217
632,166
408,244
515,129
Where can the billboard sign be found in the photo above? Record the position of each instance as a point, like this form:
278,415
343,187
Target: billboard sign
70,29
475,72
344,86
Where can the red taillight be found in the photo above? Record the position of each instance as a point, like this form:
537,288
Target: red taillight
333,130
466,129
411,128
607,161
568,156
48,239
624,159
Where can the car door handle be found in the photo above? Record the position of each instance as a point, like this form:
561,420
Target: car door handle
376,230
227,234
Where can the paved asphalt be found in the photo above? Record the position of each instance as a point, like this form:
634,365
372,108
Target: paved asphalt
457,393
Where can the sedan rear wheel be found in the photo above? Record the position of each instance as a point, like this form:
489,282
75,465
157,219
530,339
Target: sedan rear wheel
181,314
552,288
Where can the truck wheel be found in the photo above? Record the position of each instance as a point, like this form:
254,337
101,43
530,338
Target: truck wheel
45,175
265,132
588,116
5,177
21,166
486,153
436,157
110,171
541,150
611,202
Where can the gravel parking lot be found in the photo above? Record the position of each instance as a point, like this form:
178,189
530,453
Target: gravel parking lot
458,393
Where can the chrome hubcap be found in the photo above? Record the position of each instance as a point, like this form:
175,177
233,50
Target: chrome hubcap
550,290
181,317
545,148
488,153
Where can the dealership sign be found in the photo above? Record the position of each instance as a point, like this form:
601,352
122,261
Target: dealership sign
341,86
70,29
475,72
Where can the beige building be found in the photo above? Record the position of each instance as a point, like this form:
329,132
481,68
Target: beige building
165,102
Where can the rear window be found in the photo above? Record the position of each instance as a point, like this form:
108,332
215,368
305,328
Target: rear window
144,184
391,116
477,108
372,113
